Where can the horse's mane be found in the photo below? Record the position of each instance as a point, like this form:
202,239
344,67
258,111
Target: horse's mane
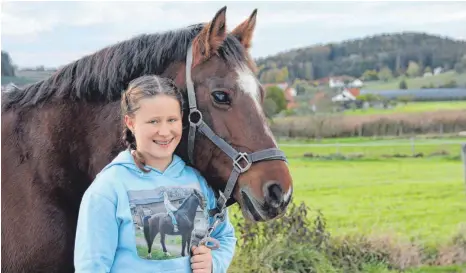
197,194
103,75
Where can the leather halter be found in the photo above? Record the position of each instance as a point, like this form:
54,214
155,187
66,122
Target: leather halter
197,123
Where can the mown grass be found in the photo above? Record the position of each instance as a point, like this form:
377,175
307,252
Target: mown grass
412,107
374,148
420,198
418,82
405,207
413,198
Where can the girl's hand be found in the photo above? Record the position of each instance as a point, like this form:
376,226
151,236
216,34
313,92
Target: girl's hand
201,261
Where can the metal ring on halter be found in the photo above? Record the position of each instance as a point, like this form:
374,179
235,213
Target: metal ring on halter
210,242
195,111
237,164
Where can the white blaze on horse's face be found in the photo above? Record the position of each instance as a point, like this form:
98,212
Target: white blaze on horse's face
250,86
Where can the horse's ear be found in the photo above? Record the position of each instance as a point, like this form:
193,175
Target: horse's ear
245,30
211,36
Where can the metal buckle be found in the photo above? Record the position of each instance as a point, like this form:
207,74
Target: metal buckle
236,162
191,113
215,243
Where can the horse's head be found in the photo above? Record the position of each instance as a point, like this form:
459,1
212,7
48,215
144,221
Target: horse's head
230,98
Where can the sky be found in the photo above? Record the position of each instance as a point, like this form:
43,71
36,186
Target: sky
56,33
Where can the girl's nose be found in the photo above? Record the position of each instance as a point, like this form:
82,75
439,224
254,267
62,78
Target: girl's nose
164,130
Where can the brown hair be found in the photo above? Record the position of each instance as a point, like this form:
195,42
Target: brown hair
141,88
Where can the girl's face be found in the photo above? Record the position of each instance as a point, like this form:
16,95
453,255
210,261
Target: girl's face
157,127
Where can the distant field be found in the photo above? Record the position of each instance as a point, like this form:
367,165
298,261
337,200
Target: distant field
412,107
411,198
26,77
415,83
418,198
374,149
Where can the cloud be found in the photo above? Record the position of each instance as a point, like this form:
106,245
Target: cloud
28,27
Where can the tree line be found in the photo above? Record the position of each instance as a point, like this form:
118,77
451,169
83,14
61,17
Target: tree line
7,65
379,57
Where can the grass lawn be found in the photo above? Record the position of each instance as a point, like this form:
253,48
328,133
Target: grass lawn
412,107
416,83
419,198
373,148
412,198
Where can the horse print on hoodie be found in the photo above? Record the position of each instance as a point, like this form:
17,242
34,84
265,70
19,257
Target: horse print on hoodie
166,220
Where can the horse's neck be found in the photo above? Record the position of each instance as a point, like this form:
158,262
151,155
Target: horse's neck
190,206
105,125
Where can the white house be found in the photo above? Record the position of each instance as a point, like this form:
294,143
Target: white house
438,70
356,83
334,83
344,96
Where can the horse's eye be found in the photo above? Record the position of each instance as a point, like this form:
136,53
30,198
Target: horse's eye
221,97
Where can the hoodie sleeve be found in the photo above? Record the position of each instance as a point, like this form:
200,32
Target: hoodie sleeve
96,234
222,257
225,234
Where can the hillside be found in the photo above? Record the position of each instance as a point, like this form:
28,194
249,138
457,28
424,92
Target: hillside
377,57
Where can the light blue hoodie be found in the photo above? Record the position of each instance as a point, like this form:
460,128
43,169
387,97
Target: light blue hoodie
121,205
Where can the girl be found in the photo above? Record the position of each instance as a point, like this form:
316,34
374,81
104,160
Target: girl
123,225
170,209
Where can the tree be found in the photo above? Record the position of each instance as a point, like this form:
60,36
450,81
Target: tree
413,69
403,84
282,75
7,66
270,108
370,75
460,66
354,57
385,74
275,94
308,71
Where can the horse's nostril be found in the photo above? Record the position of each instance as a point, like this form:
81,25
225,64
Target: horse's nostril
275,195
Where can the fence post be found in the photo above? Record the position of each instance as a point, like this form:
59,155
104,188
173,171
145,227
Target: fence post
463,155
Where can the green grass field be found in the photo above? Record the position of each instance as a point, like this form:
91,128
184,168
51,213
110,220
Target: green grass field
415,83
417,198
423,198
412,107
374,149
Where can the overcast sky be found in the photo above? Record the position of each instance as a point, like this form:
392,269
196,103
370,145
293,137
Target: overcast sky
56,33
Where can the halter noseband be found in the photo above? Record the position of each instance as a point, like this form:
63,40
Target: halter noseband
197,123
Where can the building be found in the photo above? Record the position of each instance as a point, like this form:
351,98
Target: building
348,94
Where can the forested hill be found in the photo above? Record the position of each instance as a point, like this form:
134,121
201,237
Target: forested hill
395,52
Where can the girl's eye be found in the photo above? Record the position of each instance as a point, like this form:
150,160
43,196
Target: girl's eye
221,97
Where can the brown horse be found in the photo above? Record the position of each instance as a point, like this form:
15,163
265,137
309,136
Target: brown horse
57,134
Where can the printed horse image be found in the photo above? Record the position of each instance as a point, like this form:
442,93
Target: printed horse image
162,223
58,133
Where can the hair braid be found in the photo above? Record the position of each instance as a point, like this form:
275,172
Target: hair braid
130,142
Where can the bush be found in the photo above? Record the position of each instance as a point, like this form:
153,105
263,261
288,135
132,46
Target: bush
399,124
295,244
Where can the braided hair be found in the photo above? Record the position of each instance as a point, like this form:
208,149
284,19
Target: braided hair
141,88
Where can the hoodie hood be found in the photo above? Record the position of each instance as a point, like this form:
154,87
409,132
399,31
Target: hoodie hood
125,159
